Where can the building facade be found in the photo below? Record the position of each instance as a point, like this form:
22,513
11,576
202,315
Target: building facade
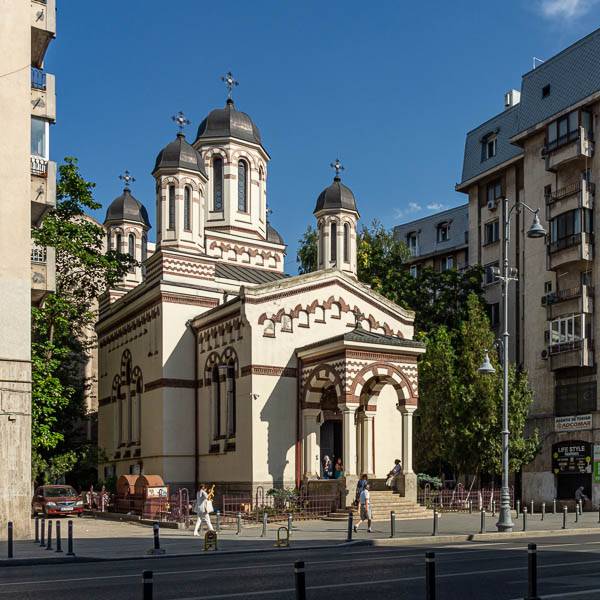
28,108
540,150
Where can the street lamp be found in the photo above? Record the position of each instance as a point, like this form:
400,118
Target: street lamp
535,231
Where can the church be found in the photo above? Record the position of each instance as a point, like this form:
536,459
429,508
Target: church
213,365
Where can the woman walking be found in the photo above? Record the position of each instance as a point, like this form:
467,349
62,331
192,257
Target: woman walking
202,510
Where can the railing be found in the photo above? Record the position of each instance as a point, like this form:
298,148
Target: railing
174,509
567,242
39,166
568,293
569,190
566,346
99,501
38,254
460,499
38,79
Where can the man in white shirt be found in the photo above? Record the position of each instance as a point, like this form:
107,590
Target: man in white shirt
365,509
391,480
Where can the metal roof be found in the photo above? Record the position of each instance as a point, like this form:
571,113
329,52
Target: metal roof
426,230
126,208
179,154
228,122
247,274
273,235
336,196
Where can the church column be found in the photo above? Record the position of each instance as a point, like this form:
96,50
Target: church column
310,435
368,465
406,483
349,432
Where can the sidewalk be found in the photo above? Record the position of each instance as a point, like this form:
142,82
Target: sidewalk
99,539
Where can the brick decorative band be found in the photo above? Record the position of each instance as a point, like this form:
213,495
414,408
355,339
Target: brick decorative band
170,383
266,370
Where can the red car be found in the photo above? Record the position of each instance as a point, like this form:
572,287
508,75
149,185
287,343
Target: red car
56,500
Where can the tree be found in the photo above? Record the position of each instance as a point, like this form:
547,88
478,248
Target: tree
307,252
61,325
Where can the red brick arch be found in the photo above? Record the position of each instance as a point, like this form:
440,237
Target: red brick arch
377,375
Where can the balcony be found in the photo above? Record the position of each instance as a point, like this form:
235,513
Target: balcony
576,195
43,95
577,147
575,300
576,248
43,188
43,273
43,29
578,353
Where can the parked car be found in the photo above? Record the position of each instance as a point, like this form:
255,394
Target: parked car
56,500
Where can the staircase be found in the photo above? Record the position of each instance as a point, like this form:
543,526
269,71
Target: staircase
382,503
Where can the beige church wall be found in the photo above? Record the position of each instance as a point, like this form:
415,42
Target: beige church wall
177,421
388,431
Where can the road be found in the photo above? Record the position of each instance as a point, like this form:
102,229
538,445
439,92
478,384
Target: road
568,567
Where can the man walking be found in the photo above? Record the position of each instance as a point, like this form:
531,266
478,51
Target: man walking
365,508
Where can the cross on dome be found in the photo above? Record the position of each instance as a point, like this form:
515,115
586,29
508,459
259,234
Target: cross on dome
181,120
127,178
357,318
230,82
337,166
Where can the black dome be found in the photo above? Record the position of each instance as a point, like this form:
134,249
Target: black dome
228,122
180,155
273,235
337,195
127,208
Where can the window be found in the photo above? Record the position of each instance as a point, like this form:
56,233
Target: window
566,129
261,193
567,329
546,91
586,278
118,245
346,242
412,241
321,245
333,242
443,232
231,400
547,287
242,186
171,207
218,184
492,232
575,398
490,148
39,137
446,263
131,245
490,277
565,228
216,389
414,271
493,311
144,254
187,209
494,191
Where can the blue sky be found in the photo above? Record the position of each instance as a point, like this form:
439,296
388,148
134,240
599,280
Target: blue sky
389,87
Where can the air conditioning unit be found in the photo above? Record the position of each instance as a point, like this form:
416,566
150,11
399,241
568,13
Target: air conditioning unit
543,152
545,354
492,205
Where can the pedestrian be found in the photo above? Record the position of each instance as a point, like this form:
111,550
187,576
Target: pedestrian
202,510
360,486
580,496
393,474
365,509
339,468
327,467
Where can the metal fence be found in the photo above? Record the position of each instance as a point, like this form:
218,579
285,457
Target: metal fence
278,507
174,509
460,499
99,501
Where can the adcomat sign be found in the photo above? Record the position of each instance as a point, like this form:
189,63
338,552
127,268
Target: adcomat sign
572,457
576,423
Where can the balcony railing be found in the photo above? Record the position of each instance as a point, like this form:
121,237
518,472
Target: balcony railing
566,346
568,293
567,242
38,79
39,166
569,190
38,254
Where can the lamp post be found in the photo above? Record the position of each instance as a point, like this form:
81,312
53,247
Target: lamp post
536,230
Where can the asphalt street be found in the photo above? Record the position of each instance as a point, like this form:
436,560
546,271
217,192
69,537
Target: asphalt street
568,567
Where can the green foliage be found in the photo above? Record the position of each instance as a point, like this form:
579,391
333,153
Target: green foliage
423,479
307,252
62,327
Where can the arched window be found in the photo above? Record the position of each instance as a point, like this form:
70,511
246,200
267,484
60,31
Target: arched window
261,193
242,186
321,244
346,242
187,209
131,245
118,245
171,207
218,184
231,399
144,254
216,386
108,240
333,242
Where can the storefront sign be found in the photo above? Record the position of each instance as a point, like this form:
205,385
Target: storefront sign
596,463
572,457
159,491
576,423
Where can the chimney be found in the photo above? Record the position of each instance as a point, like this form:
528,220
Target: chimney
511,98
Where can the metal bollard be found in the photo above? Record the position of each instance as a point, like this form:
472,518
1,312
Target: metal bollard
155,529
554,506
218,521
482,528
43,533
430,575
10,539
524,518
70,540
435,522
58,540
49,544
102,503
580,507
470,507
147,584
239,524
518,508
532,572
493,508
543,510
264,529
290,521
392,524
37,531
576,514
350,518
300,580
565,510
531,511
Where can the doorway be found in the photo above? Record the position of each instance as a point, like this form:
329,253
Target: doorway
331,441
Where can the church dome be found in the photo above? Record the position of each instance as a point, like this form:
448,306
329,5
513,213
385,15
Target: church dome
180,155
127,208
273,235
228,122
336,196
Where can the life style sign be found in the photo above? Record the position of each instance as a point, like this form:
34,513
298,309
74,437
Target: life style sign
572,457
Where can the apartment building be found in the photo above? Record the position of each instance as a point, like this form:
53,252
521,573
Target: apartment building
27,108
439,241
540,150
